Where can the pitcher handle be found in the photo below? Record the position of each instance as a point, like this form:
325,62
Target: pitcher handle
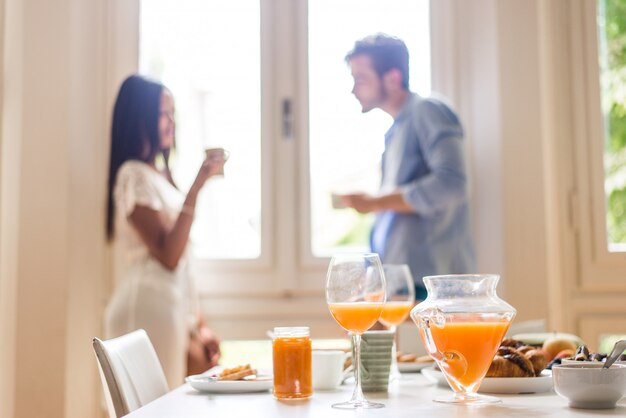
428,318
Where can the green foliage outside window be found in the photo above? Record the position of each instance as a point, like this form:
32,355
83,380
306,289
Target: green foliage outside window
612,35
607,342
358,234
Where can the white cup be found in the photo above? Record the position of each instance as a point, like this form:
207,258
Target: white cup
327,369
336,201
217,154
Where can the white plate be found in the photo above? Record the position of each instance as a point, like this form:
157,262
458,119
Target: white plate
543,383
408,367
204,384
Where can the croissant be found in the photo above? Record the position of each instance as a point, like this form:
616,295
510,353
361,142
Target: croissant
525,349
510,363
510,342
538,360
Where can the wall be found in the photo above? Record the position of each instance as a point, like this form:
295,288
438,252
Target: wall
558,131
524,173
87,157
471,81
54,133
491,56
9,176
42,223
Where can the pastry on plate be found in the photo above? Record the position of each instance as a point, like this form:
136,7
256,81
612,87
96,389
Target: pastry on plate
523,361
236,373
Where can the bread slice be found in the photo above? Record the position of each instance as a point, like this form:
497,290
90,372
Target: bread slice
236,373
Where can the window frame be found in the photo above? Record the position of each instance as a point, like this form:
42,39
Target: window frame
287,277
600,269
231,276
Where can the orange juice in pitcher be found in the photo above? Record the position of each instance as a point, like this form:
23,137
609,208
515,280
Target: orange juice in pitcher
462,322
475,344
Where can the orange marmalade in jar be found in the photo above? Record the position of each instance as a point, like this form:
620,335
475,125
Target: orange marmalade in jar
292,363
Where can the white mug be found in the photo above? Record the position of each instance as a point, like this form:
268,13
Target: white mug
220,153
327,369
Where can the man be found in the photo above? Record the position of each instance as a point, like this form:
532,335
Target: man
422,215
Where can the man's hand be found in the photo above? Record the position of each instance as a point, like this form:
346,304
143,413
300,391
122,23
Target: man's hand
360,202
364,203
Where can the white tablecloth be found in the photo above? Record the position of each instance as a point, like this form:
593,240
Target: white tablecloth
411,397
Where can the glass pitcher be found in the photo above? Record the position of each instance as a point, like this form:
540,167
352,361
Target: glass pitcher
461,323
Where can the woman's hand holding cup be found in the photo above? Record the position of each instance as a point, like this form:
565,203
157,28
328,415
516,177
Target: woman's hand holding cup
213,165
217,157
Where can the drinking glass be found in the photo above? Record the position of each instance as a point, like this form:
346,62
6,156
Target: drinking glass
400,301
461,323
355,293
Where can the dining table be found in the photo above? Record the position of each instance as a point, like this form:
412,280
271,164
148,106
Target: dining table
410,396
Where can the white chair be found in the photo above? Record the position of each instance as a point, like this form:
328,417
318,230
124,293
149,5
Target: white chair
130,370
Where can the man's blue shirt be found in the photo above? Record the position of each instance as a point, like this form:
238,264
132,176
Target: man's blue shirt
424,159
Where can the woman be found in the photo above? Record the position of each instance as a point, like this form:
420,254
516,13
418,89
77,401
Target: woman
148,222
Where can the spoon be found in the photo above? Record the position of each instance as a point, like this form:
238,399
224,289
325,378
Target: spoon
618,349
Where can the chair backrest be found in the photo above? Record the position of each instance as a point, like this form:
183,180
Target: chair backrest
130,370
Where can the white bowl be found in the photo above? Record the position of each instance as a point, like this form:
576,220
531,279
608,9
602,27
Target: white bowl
570,361
589,386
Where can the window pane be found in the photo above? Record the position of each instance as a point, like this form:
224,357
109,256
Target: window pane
208,54
607,342
346,145
612,51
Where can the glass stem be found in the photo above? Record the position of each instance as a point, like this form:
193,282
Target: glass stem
394,373
357,395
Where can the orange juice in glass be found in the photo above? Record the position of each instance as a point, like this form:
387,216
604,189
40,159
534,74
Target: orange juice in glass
356,317
400,300
355,294
461,323
395,312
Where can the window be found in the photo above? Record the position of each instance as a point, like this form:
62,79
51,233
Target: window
607,342
338,132
598,87
612,59
208,54
235,67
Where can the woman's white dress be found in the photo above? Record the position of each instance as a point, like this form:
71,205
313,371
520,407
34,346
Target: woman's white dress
146,294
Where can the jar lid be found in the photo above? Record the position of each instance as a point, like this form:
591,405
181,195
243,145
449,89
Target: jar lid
291,332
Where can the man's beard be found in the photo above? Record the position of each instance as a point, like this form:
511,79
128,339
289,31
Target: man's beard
382,97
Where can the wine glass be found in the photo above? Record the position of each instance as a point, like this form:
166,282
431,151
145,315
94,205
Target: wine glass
400,301
355,293
462,322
